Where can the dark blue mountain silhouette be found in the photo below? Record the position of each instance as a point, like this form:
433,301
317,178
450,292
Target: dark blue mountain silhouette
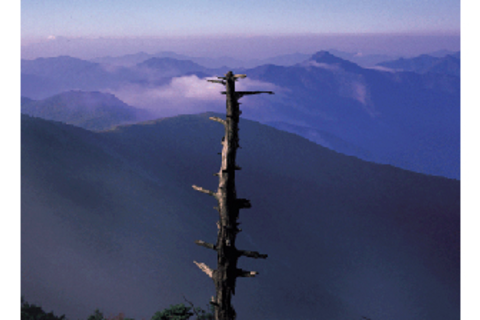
405,119
109,220
44,77
449,64
331,60
89,110
130,60
364,60
58,66
443,53
55,75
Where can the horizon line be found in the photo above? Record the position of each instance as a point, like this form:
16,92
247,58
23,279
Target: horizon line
243,35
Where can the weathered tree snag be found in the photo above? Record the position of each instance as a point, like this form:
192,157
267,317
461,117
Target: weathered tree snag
226,274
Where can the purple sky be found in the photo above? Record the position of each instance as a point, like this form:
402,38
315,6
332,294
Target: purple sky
242,29
146,18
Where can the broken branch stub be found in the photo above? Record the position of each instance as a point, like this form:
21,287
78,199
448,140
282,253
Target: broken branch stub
200,189
252,254
217,119
206,244
246,274
204,268
217,81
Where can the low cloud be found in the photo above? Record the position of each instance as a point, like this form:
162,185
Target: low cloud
191,87
380,68
184,95
360,92
327,66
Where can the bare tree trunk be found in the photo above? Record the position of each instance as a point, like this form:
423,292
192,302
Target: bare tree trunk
229,205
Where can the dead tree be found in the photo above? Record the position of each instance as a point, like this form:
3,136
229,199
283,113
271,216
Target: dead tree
226,274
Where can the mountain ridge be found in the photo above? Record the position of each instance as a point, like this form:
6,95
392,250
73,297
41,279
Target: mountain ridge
90,110
376,111
117,239
406,119
448,64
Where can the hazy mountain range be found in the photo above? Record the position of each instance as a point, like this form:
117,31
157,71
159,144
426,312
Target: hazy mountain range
45,77
407,119
109,219
218,62
364,60
449,64
89,110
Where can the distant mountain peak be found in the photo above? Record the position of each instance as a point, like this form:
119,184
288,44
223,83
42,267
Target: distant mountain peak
97,96
63,58
325,57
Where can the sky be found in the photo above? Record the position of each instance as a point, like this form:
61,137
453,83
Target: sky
93,28
114,18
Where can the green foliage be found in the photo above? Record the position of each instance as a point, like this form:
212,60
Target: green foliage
34,312
175,312
204,315
96,315
182,312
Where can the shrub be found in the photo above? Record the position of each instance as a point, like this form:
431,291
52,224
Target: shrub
175,312
182,312
96,315
34,312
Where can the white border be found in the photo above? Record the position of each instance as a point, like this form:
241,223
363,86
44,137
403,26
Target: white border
470,161
10,159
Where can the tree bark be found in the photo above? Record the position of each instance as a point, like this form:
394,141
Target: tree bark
225,276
